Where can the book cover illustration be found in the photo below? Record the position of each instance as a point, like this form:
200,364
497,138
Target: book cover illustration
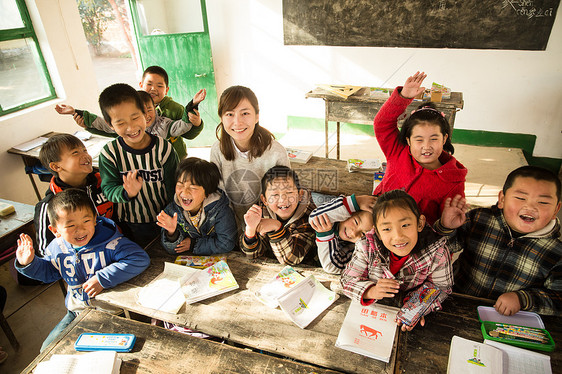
467,356
298,155
284,280
212,281
418,304
367,165
368,330
199,262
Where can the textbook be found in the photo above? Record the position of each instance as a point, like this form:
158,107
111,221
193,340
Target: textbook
102,362
366,165
198,262
209,282
369,330
284,280
305,301
467,356
298,156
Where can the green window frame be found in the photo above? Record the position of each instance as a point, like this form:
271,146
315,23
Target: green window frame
27,37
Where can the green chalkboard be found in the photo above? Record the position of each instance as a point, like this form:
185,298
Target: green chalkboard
476,24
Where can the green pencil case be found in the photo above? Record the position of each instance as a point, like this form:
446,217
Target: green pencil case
492,322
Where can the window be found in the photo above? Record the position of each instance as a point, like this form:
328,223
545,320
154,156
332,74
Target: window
24,79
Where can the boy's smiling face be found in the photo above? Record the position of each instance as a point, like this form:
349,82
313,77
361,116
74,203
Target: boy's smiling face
529,204
282,197
76,227
353,228
74,163
150,113
156,86
129,122
189,195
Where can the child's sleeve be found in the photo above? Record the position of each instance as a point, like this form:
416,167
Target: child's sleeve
222,238
355,277
547,299
128,260
291,245
253,247
97,125
170,243
111,179
193,131
338,209
441,276
42,233
40,269
385,124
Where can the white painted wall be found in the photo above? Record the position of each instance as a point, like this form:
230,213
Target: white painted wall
504,91
64,47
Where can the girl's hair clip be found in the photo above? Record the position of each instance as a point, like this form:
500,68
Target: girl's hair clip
427,108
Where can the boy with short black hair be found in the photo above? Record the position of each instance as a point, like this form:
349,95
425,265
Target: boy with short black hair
137,168
89,253
66,157
280,222
512,251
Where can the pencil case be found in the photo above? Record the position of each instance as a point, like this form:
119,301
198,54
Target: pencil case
523,329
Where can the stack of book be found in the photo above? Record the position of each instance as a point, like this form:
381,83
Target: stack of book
365,165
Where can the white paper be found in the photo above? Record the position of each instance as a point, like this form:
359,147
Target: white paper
24,147
522,361
470,357
83,135
101,362
306,301
284,280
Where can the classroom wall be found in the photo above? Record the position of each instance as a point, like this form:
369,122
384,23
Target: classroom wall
504,91
64,47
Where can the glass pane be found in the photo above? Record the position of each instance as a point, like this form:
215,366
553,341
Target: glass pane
160,17
22,78
10,15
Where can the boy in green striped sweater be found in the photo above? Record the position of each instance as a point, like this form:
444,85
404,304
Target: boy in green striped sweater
137,169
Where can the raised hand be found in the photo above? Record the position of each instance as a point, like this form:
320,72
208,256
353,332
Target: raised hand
199,96
79,120
132,184
194,119
252,219
412,87
64,109
454,212
167,223
25,252
321,223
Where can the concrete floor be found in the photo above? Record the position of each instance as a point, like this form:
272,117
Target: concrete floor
32,311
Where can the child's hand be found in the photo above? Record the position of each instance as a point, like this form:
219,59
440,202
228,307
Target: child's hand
366,202
412,87
321,223
184,246
64,109
268,225
92,286
454,212
384,288
199,96
79,120
25,253
410,328
252,219
167,223
132,184
194,119
508,304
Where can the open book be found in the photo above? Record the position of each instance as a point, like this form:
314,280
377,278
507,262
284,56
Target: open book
369,330
102,362
209,282
467,356
198,262
305,301
284,280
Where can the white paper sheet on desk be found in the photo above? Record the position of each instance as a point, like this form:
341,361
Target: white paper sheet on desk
24,147
82,135
522,361
164,292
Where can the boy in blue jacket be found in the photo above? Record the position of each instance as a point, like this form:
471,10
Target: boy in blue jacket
199,220
88,252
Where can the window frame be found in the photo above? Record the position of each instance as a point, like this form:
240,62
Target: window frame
27,32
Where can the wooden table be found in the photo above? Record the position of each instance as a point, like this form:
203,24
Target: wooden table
330,176
158,350
426,349
362,110
31,157
14,224
239,317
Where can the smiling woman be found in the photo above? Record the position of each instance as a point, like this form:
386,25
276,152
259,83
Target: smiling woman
24,79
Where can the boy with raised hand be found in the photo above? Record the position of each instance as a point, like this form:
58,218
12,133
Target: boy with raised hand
89,253
137,168
66,157
339,224
280,223
512,252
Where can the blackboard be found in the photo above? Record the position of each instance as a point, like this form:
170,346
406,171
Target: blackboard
475,24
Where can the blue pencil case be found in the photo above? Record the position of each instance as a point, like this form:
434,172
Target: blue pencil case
105,342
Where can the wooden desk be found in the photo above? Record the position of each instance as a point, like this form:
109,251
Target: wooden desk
426,349
14,224
239,317
31,157
330,176
362,110
158,350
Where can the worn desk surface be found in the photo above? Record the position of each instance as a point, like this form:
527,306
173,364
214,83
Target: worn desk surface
330,176
158,350
239,317
22,217
362,110
426,349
